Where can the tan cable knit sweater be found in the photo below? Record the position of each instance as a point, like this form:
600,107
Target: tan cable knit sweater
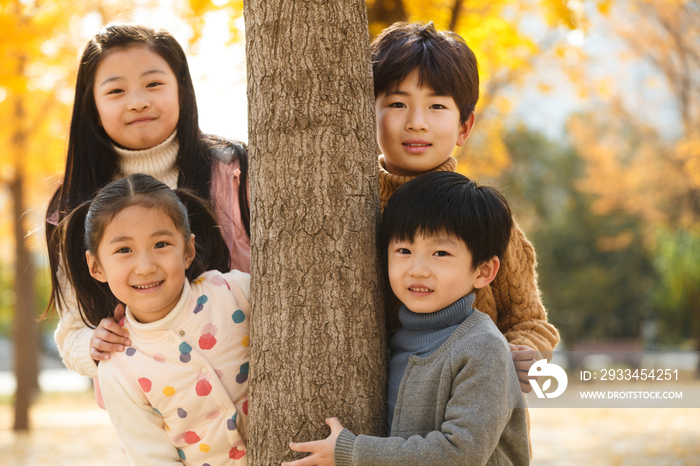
512,300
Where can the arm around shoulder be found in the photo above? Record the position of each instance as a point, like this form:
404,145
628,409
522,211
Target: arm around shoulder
521,314
73,337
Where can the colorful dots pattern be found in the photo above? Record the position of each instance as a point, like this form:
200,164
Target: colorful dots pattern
145,384
208,340
243,375
190,437
236,453
231,423
198,280
203,387
238,316
219,281
200,303
185,351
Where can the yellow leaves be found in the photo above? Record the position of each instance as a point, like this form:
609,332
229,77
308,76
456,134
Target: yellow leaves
688,152
615,243
485,155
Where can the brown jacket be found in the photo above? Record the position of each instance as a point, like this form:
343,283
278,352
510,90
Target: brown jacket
512,300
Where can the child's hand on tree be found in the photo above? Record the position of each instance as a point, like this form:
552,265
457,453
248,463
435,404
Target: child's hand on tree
321,450
523,358
109,336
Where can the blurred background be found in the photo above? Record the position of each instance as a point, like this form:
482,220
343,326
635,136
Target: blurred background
588,120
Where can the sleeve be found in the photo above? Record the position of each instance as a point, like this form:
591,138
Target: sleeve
73,337
225,181
243,280
140,429
478,411
521,316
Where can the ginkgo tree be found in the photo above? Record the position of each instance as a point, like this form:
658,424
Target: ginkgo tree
634,166
39,45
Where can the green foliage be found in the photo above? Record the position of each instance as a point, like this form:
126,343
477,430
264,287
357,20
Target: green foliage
42,288
677,294
594,273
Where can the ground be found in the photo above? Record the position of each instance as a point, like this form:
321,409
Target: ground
69,429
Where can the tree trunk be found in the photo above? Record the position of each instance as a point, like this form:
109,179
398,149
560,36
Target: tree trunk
26,329
317,332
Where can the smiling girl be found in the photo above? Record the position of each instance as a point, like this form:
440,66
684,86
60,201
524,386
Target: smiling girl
179,393
135,112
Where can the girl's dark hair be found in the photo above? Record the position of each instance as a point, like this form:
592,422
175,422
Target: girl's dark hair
92,162
441,203
84,227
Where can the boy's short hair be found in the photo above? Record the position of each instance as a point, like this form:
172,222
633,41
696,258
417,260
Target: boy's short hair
441,203
444,62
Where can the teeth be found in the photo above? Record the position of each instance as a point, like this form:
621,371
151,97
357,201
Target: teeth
147,286
421,290
417,145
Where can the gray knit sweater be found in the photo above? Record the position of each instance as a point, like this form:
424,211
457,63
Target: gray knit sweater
460,405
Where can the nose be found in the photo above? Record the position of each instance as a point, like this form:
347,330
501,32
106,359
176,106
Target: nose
139,101
416,120
418,267
145,265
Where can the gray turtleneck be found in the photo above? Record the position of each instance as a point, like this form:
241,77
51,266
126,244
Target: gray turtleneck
421,334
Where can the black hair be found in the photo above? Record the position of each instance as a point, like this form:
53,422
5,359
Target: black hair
443,60
84,227
91,160
440,203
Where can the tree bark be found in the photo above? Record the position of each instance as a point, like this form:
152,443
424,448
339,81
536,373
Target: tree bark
317,331
26,329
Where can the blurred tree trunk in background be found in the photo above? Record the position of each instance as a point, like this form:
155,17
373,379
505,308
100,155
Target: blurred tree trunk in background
26,328
39,46
317,333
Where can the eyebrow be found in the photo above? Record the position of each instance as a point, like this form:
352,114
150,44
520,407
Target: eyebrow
120,238
145,73
404,93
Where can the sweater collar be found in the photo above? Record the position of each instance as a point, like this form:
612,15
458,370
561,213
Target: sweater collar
395,181
452,315
173,318
388,182
157,161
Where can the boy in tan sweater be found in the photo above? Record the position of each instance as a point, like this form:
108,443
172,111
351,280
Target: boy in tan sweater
426,85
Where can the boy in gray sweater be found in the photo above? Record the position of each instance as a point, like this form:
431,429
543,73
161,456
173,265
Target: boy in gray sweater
453,394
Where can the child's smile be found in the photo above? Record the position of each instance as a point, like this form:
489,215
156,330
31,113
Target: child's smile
143,258
417,130
430,273
136,94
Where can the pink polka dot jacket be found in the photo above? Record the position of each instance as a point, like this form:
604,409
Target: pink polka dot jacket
179,394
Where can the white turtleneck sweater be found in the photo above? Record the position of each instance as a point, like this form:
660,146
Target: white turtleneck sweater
157,161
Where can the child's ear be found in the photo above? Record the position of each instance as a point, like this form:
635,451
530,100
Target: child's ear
486,272
465,130
189,252
95,267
